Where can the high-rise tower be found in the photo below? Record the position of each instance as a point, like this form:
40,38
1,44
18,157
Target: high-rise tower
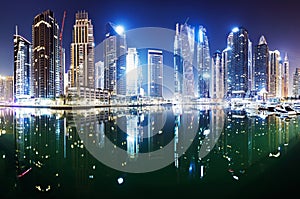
22,68
47,75
155,73
285,76
296,83
203,64
238,69
115,49
183,61
82,55
261,65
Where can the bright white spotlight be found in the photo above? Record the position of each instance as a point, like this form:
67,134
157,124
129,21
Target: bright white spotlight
120,180
236,29
120,30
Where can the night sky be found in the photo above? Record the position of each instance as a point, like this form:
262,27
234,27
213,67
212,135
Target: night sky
278,21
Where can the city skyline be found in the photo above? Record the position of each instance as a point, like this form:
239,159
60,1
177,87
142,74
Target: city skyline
121,14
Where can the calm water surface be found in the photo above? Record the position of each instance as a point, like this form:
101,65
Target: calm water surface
212,152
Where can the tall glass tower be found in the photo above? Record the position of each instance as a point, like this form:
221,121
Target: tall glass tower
115,49
238,69
155,73
22,68
274,74
82,55
46,59
203,64
183,61
132,72
261,65
217,77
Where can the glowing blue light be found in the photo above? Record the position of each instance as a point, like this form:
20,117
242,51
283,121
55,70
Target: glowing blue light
120,30
120,180
236,29
201,36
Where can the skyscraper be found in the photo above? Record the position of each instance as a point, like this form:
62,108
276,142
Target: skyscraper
183,61
132,72
155,73
22,68
261,65
285,76
296,83
238,69
226,64
115,49
217,77
82,55
274,74
203,64
47,75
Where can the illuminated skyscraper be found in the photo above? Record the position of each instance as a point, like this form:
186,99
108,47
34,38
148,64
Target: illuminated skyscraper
99,74
46,57
22,68
261,65
296,83
285,76
217,77
274,74
203,64
82,55
115,49
238,69
183,61
155,73
226,62
132,72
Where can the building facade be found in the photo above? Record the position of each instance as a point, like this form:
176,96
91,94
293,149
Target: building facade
183,61
217,77
22,68
155,73
296,83
115,49
82,54
261,65
238,69
132,72
203,64
47,75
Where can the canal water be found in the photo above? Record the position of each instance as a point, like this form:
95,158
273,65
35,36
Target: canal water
147,152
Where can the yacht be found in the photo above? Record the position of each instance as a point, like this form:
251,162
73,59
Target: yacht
285,110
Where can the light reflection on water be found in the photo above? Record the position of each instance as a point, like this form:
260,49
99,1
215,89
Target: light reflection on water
49,152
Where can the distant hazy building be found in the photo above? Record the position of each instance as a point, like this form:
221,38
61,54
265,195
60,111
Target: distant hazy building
217,77
203,64
22,68
82,55
261,65
238,69
183,61
285,76
296,83
115,49
132,72
155,73
6,88
47,73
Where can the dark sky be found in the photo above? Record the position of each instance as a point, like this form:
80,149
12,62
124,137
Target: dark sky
278,21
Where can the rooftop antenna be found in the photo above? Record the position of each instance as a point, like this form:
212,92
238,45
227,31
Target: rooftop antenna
186,20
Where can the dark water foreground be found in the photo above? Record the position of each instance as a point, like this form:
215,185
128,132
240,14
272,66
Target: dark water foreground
47,154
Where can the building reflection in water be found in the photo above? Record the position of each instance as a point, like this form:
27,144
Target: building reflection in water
51,154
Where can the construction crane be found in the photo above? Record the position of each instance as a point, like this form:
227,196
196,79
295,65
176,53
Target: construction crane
61,51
